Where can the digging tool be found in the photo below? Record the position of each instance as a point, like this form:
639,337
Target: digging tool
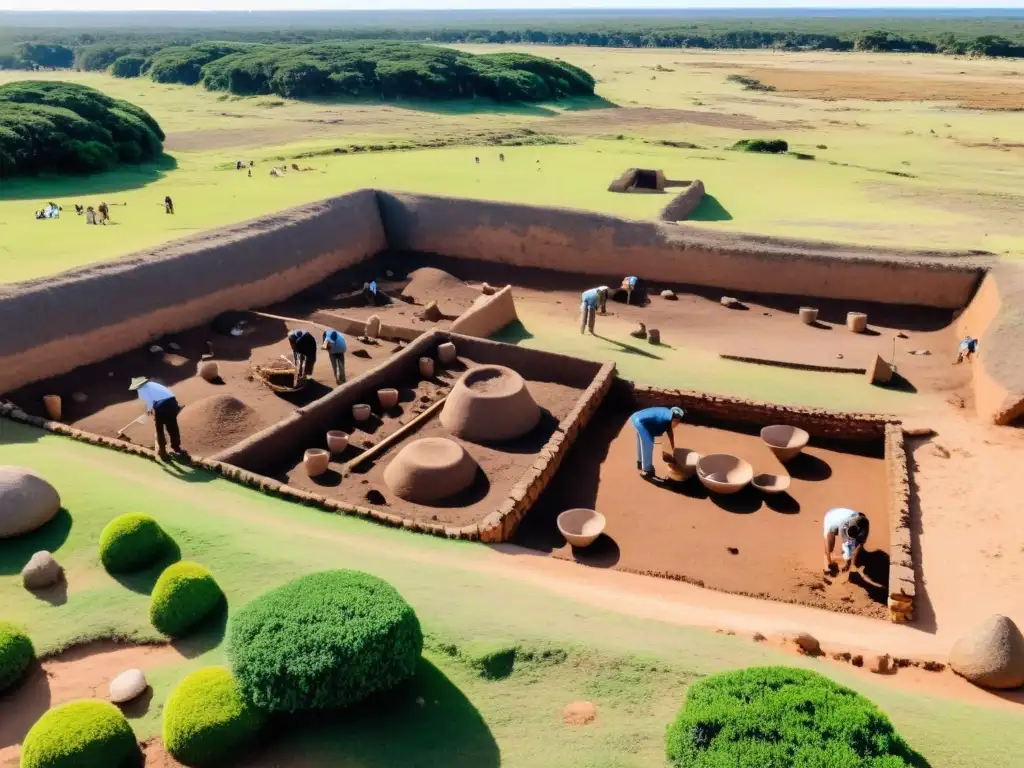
136,420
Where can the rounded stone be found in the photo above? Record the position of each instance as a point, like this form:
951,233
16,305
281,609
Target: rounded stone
490,404
667,294
991,655
27,501
128,685
41,571
429,470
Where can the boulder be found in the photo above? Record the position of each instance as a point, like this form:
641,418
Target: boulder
879,664
128,685
41,571
667,294
991,655
431,313
807,644
27,501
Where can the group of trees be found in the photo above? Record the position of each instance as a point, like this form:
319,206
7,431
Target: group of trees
67,128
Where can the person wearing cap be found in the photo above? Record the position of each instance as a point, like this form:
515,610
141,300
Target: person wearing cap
650,424
370,292
160,402
629,285
851,528
594,299
336,347
303,346
968,348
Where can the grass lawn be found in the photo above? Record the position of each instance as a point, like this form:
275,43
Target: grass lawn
503,658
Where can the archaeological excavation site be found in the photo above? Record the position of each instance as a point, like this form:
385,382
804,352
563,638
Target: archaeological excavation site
448,421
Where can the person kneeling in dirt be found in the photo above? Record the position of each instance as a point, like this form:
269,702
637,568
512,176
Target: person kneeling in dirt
968,349
852,529
594,299
650,424
303,352
160,402
336,347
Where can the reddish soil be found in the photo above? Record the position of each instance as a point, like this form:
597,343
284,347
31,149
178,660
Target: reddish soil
80,673
502,465
749,543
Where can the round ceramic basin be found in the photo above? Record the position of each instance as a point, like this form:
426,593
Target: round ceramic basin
784,441
581,527
723,473
768,483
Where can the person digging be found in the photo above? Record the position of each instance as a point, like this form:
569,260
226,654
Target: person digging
852,530
968,349
629,285
592,300
303,346
336,347
650,424
160,402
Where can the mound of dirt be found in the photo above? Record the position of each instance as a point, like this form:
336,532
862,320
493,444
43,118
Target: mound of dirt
216,423
429,284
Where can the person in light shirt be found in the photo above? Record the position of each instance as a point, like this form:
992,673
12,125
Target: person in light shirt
160,402
851,528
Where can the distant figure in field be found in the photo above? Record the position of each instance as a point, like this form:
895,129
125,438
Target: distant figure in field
592,300
629,285
252,163
238,165
90,215
168,205
477,160
501,157
250,173
79,209
851,528
968,349
104,213
370,292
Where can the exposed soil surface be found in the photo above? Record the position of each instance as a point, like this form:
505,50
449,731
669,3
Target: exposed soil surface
80,673
502,465
750,543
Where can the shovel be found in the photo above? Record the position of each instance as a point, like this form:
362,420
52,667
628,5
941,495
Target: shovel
136,420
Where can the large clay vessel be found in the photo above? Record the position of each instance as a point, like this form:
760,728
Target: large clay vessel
373,327
856,322
53,406
723,473
337,441
361,411
808,315
446,352
429,470
490,404
785,441
388,398
208,370
581,527
427,367
316,461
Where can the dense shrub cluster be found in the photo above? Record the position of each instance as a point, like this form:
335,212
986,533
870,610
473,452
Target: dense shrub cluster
66,128
323,641
777,717
378,70
132,542
184,595
206,720
16,653
82,734
129,65
770,146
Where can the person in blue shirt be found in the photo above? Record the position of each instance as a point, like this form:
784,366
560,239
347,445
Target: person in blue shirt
336,347
160,402
594,299
968,348
629,285
370,292
650,424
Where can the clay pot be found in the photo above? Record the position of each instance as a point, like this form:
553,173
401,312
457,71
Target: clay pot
768,483
446,352
427,367
430,469
337,441
361,412
808,315
208,370
388,398
723,473
316,460
683,466
856,322
581,527
784,441
490,404
53,407
373,327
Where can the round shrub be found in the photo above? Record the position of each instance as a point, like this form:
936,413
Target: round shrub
184,595
82,734
323,641
206,719
780,716
132,542
16,653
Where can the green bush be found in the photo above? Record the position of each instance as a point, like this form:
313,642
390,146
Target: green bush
132,542
770,146
184,595
777,717
82,734
16,653
129,65
206,719
323,641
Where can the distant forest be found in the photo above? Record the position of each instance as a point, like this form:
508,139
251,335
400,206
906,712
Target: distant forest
28,43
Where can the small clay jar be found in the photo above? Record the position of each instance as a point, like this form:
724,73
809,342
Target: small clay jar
208,370
446,352
361,412
373,327
427,367
808,315
857,322
388,398
316,460
654,336
337,441
53,406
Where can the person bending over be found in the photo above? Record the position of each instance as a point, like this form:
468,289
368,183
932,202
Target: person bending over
629,285
303,352
336,347
650,424
592,300
968,349
851,528
160,402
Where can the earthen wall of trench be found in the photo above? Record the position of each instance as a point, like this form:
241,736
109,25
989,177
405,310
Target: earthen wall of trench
682,205
488,315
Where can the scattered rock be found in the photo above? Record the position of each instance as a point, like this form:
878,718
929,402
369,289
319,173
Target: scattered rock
732,550
920,352
128,685
361,353
879,664
174,346
579,713
902,335
839,357
729,301
956,401
376,497
487,289
667,294
857,660
767,314
807,644
991,655
431,313
388,273
41,571
654,336
79,397
759,638
27,501
156,349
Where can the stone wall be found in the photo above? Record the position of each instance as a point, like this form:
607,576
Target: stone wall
682,205
902,588
488,315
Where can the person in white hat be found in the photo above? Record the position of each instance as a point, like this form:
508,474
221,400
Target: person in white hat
160,402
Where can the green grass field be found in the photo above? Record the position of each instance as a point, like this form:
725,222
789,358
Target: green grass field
558,651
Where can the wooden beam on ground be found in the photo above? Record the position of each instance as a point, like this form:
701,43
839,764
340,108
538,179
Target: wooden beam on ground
395,437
